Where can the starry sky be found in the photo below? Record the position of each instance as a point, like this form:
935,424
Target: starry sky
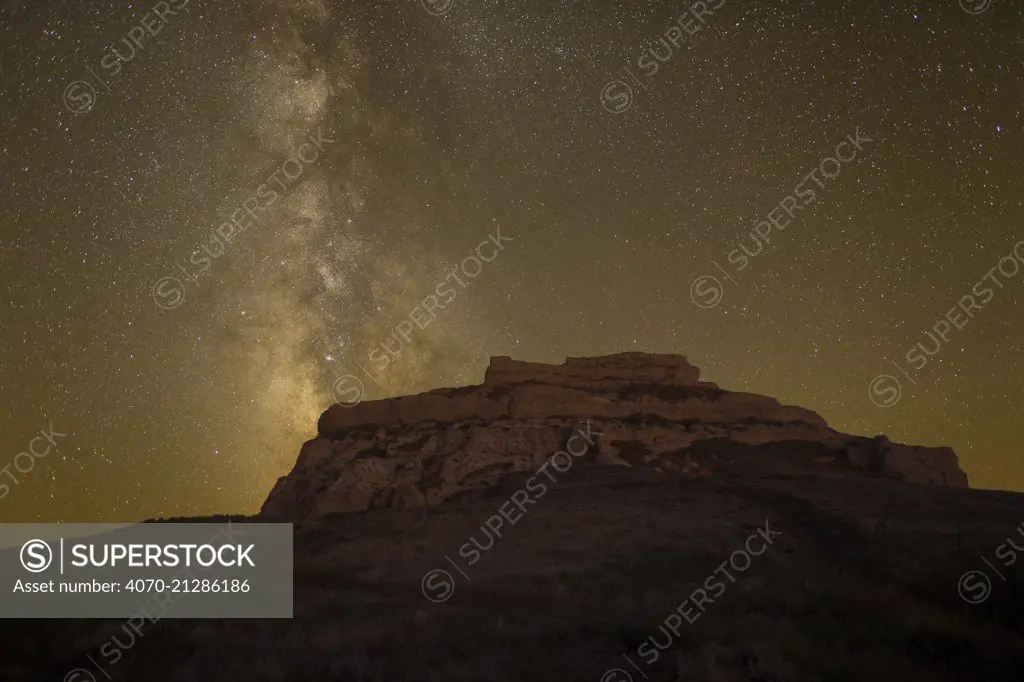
621,169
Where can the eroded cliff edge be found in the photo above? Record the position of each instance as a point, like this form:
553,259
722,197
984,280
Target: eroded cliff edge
644,410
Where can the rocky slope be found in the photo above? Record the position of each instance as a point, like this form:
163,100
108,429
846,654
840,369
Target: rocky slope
629,409
865,579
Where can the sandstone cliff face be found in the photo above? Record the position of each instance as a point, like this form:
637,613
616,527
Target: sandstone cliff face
640,409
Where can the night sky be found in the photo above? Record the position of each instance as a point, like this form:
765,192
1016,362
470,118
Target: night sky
626,191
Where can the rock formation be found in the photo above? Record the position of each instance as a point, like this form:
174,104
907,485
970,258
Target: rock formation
642,409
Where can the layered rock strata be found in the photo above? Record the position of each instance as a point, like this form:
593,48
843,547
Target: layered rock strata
648,410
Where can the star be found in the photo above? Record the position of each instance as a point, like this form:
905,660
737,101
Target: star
249,211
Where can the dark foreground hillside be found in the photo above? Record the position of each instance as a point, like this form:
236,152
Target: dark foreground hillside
862,584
